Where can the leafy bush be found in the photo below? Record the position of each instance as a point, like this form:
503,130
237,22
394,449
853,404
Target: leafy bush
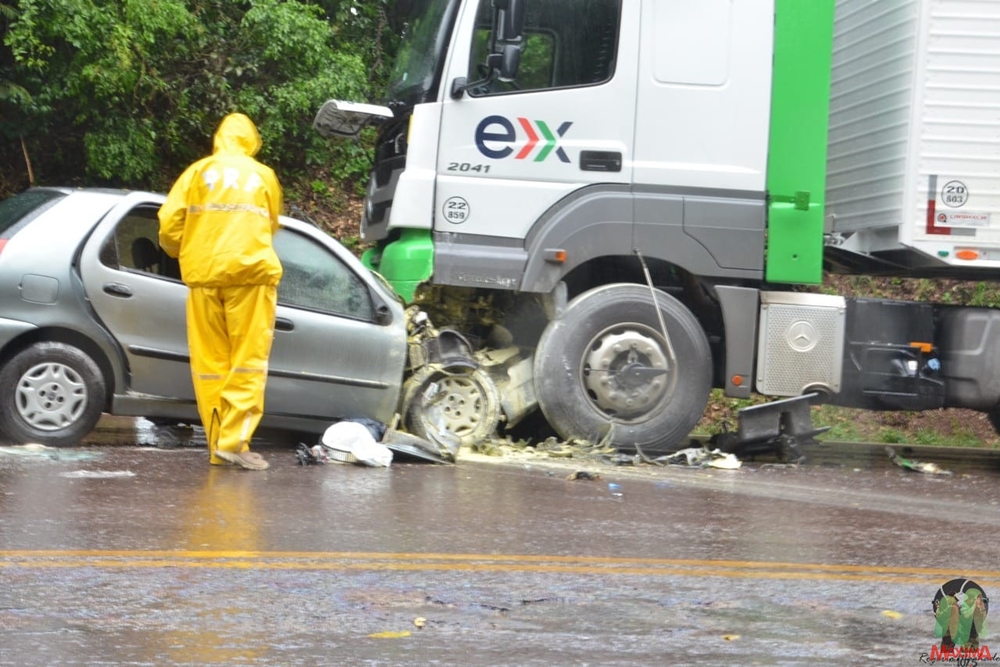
128,92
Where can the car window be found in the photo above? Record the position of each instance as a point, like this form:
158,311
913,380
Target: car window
316,279
24,206
135,245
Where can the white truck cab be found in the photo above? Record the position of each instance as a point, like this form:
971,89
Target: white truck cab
657,174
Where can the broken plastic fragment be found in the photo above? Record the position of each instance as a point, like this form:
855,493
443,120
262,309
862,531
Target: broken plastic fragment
916,466
702,456
724,461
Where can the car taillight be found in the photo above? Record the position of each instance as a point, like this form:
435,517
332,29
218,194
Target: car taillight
3,242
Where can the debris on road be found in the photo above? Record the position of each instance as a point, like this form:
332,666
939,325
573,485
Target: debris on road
704,457
917,466
583,474
440,448
310,456
352,442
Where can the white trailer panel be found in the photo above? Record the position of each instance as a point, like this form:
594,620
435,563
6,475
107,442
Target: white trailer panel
914,149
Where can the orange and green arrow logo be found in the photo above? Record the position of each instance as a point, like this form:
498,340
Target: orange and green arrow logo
495,134
550,140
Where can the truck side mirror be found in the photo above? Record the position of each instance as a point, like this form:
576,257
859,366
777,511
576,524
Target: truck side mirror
510,23
510,61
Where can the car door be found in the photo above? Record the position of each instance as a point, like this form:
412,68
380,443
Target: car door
566,122
340,340
139,300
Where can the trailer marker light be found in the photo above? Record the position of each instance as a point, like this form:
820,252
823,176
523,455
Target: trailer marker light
927,348
737,380
967,254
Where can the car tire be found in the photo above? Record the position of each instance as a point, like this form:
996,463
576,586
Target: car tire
51,394
582,356
464,402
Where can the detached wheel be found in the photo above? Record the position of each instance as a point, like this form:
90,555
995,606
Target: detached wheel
606,359
465,403
52,394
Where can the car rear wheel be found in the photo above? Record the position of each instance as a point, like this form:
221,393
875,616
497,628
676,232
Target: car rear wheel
52,394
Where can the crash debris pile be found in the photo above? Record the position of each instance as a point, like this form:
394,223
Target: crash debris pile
370,443
604,452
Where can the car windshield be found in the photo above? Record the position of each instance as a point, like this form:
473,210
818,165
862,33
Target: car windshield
17,208
426,29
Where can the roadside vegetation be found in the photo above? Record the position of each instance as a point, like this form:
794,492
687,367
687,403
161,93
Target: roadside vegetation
126,93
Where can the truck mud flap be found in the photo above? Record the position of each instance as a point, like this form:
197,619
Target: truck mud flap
779,427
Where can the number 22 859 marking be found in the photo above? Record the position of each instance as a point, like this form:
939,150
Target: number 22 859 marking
468,166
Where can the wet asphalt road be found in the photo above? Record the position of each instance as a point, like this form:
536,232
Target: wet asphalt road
128,555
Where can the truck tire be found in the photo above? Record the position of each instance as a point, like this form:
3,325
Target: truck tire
51,394
464,402
605,359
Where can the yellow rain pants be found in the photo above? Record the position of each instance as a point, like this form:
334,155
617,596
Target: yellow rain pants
230,330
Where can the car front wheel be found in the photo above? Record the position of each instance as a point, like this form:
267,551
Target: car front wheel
50,393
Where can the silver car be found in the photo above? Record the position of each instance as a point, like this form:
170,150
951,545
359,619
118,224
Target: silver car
92,320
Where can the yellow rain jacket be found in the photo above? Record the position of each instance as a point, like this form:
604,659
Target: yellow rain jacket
220,218
222,212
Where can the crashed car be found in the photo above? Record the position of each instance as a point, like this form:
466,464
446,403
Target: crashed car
92,321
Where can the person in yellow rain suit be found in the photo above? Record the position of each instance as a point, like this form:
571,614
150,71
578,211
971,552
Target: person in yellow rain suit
219,220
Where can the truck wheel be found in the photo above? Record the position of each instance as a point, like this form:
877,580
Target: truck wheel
466,403
52,394
605,359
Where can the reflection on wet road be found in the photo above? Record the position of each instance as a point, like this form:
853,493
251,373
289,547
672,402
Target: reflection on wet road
477,564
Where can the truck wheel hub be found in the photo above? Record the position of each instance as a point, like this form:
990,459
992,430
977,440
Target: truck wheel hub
625,371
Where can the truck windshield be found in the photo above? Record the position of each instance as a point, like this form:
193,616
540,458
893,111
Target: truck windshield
426,30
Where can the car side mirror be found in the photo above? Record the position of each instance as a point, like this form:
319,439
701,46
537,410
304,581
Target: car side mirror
383,315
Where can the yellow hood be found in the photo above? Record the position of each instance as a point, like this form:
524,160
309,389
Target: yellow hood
237,134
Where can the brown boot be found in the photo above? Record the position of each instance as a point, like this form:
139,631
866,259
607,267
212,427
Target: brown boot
248,460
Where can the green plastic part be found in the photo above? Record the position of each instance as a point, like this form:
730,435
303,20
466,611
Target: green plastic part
796,168
404,263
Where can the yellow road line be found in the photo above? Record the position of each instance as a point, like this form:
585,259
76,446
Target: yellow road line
578,565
